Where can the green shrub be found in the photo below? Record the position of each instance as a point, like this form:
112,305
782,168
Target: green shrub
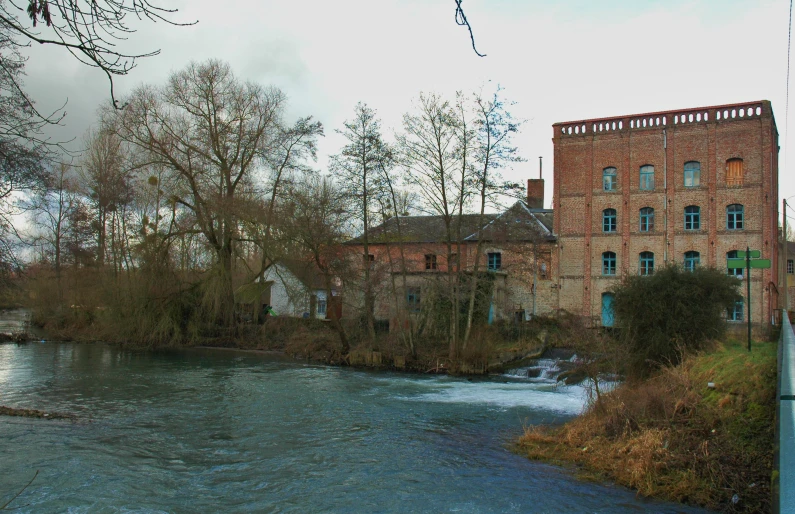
671,312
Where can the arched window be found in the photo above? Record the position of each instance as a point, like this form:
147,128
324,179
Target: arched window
736,272
692,174
692,217
609,263
734,216
646,263
609,222
734,172
646,219
609,179
646,177
692,259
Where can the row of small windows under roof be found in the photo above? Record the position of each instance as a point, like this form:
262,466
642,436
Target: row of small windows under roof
691,172
431,263
735,214
692,259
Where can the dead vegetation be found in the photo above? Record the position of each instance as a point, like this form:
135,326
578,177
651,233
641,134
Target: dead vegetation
673,437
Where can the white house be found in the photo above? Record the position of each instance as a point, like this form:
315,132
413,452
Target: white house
298,289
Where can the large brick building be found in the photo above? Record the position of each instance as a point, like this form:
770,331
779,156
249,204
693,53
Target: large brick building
689,186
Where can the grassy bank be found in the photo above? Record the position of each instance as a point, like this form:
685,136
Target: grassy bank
675,438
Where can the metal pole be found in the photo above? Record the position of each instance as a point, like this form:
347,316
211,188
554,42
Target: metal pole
748,290
535,274
786,277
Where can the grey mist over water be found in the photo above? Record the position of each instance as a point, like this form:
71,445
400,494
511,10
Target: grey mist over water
222,431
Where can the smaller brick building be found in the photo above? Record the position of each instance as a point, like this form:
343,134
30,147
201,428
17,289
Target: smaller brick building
412,259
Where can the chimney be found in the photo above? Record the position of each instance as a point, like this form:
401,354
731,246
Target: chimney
535,193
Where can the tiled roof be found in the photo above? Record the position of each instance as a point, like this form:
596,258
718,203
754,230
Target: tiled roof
305,271
515,223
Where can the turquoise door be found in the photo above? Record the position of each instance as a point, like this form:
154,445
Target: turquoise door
607,309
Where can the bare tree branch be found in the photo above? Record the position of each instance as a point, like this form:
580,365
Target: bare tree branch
89,29
461,20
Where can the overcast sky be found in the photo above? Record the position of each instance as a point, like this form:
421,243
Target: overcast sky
559,61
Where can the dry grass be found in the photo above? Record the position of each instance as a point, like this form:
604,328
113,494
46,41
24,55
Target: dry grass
672,437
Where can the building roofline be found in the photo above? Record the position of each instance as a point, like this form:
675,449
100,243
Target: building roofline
758,109
661,113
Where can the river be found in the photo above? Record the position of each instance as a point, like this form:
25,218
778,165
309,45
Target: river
211,430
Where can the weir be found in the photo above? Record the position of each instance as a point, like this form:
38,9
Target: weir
543,370
785,464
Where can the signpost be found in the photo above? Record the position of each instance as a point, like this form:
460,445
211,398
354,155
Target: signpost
744,260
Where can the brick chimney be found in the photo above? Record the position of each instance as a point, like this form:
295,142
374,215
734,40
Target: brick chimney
535,193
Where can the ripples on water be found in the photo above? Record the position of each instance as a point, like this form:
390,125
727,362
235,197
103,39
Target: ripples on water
208,431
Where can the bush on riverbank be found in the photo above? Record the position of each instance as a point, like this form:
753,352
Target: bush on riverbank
672,437
671,312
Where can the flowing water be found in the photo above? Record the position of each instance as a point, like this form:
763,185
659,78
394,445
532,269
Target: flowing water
223,431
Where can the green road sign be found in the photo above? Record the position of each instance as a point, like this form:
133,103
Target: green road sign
735,263
755,263
755,254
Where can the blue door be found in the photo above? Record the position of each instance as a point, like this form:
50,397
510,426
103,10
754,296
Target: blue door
607,309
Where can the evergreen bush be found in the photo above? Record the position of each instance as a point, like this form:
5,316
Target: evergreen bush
664,315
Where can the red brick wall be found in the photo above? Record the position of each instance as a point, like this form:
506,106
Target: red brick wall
666,142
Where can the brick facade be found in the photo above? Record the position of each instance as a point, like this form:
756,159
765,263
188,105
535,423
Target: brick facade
706,139
524,276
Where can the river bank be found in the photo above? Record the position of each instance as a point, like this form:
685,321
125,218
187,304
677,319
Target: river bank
495,348
675,437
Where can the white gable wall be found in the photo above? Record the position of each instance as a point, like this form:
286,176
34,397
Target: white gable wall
289,296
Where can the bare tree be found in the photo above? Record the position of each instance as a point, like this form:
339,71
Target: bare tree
429,150
394,203
213,132
51,209
318,222
360,168
287,156
493,150
104,180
